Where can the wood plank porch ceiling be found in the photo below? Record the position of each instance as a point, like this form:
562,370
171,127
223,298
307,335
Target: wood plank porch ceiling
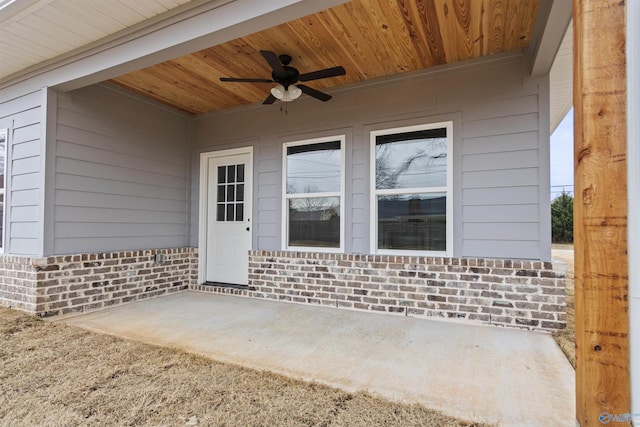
369,38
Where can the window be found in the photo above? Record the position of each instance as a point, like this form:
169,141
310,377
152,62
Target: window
411,194
230,188
313,194
3,156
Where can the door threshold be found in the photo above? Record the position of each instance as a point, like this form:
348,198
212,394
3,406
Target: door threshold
226,285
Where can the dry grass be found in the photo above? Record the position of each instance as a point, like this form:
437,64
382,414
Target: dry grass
52,374
566,246
567,339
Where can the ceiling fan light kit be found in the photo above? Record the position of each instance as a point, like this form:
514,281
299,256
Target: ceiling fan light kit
286,78
286,94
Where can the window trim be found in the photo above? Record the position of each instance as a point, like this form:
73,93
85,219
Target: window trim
374,193
285,197
3,239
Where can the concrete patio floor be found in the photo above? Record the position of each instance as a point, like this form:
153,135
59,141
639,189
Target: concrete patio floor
482,373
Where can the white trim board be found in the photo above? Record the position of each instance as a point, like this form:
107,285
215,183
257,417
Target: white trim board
551,25
3,240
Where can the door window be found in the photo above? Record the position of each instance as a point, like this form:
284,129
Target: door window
230,200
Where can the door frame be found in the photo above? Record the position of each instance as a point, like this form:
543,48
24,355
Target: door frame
203,225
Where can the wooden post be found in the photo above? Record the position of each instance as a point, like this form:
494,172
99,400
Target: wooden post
600,211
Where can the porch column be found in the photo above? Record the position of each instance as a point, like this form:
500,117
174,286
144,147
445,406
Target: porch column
600,211
633,177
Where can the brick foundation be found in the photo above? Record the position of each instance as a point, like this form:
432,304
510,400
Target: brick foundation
18,282
77,283
516,293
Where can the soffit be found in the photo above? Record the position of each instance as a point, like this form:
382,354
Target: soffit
369,38
35,31
561,81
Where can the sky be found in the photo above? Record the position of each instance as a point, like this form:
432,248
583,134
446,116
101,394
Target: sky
562,157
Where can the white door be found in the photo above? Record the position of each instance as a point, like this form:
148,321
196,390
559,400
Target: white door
228,219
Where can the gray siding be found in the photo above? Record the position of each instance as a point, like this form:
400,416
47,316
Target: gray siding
501,164
121,174
268,190
24,222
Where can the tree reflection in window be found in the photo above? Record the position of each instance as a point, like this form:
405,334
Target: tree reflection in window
411,190
412,160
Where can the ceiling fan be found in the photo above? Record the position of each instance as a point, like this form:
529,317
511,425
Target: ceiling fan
286,78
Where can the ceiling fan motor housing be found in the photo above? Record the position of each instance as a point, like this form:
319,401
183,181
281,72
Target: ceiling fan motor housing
289,77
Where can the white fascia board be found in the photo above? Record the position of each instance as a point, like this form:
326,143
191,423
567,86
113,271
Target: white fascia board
552,23
633,195
195,29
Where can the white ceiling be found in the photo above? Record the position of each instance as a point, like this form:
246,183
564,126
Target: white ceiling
35,31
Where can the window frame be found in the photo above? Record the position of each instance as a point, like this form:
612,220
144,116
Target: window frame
286,197
4,131
374,192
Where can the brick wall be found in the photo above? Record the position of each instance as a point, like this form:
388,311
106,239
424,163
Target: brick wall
526,294
77,283
18,279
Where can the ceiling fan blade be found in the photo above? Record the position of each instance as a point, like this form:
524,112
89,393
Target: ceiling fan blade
273,61
323,74
270,100
242,80
315,93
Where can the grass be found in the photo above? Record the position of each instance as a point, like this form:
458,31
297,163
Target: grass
566,339
52,374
